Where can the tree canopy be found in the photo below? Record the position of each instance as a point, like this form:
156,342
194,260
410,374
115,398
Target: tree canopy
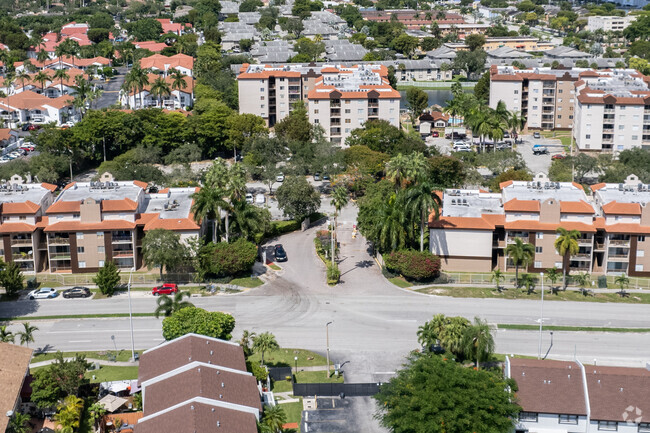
198,321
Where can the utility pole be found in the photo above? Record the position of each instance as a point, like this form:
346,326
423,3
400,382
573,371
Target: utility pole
327,334
541,320
104,141
332,246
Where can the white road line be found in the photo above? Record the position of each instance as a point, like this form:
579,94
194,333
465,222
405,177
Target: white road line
80,341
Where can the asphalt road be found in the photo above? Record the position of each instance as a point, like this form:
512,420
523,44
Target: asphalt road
374,323
111,90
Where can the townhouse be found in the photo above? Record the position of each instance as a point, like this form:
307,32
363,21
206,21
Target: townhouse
28,106
52,87
613,224
13,376
152,46
569,396
343,99
164,65
178,96
90,223
64,62
77,32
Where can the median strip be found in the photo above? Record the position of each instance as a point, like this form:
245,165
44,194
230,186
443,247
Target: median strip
75,316
517,327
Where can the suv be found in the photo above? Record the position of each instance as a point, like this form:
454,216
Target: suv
460,146
539,150
165,289
279,253
77,292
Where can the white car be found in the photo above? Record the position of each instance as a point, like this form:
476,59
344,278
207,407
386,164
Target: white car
43,293
69,124
260,199
249,198
462,147
280,178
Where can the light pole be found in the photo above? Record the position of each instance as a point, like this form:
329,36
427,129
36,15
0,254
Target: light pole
131,319
541,320
295,359
327,336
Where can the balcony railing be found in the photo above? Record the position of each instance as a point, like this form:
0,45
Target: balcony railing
59,241
60,256
121,238
617,256
581,256
18,256
619,241
123,253
25,242
609,110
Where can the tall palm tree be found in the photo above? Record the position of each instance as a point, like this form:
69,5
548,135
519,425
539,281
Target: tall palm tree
263,343
515,122
8,82
208,203
478,341
274,418
178,80
454,108
137,79
403,170
167,306
26,336
420,200
6,336
235,189
521,254
566,245
23,76
160,88
61,74
339,200
246,340
392,235
249,220
42,78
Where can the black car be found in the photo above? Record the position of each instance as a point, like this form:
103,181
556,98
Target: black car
25,127
77,292
280,253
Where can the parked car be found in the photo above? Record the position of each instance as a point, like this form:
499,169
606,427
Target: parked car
316,176
249,197
25,127
326,176
43,293
165,289
33,127
260,199
77,292
460,146
540,150
537,135
435,134
506,134
558,156
279,178
279,253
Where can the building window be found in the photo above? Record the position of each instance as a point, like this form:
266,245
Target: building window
644,427
348,120
568,419
588,136
607,425
538,265
316,111
22,218
559,116
622,107
347,111
539,235
316,121
635,137
261,98
80,235
82,264
100,249
638,268
538,250
558,265
516,92
80,250
559,91
100,234
360,111
640,238
528,416
261,89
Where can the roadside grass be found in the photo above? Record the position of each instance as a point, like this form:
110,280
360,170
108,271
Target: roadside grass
400,282
73,316
107,373
285,358
275,267
293,411
248,282
569,295
305,377
122,355
519,327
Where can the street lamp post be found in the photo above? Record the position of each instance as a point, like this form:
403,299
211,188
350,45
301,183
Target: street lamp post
295,358
131,319
327,336
541,320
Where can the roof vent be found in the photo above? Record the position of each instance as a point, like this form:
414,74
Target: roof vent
212,409
223,385
218,423
221,395
621,389
192,407
211,352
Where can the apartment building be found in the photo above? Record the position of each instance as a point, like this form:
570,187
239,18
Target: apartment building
179,96
29,106
164,65
94,222
613,223
345,98
609,24
612,111
569,396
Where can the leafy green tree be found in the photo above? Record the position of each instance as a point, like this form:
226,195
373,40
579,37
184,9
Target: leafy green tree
472,62
263,154
263,343
12,279
6,336
478,341
298,198
307,47
69,374
407,170
46,391
232,258
145,29
96,412
528,281
274,418
482,88
365,160
521,254
26,336
475,41
163,248
198,321
241,127
107,278
405,44
296,126
566,245
553,275
417,101
447,171
169,305
249,221
381,136
433,394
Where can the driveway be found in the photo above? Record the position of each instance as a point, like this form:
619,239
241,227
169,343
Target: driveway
539,163
111,89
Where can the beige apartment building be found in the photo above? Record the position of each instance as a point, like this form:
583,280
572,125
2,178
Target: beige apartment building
94,222
475,227
609,24
345,98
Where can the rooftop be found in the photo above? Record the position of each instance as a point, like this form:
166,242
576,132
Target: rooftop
542,190
14,362
470,203
175,203
21,193
631,191
116,190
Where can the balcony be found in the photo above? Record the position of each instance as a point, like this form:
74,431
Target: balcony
335,122
548,92
58,241
335,104
373,105
335,112
373,112
122,253
335,132
609,111
619,242
121,239
22,256
60,256
548,101
608,140
581,256
585,241
21,242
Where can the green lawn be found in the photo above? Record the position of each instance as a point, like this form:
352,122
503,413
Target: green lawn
305,377
275,267
285,358
569,295
400,282
122,355
108,373
293,411
248,282
519,327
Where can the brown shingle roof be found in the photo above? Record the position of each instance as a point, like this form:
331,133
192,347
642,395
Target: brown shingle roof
199,417
14,362
188,348
549,386
204,380
612,390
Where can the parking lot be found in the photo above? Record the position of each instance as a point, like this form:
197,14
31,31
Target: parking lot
336,415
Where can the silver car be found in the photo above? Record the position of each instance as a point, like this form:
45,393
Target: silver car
43,293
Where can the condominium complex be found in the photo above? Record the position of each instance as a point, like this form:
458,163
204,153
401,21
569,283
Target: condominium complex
345,98
339,98
609,24
611,108
613,223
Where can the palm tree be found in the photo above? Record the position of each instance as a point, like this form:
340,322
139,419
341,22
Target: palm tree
246,340
23,76
528,281
178,80
263,343
478,341
42,78
452,336
622,280
497,277
61,74
339,200
137,79
42,56
582,279
566,245
69,413
26,336
19,423
521,254
516,122
167,306
207,205
6,336
96,412
392,235
454,108
274,418
160,88
235,188
249,220
553,275
420,200
430,333
403,170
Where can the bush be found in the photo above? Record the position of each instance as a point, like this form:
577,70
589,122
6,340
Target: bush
257,370
108,277
198,321
233,258
416,265
333,273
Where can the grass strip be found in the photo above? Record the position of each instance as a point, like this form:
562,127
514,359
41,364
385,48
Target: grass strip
75,316
518,327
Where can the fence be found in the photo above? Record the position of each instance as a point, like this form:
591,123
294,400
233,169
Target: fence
486,278
136,278
335,389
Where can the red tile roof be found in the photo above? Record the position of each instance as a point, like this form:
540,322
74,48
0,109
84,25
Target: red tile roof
549,227
64,206
160,62
122,205
579,207
617,208
178,224
516,205
17,228
598,186
20,208
71,226
460,223
49,186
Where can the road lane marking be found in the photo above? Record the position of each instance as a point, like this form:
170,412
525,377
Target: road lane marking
80,341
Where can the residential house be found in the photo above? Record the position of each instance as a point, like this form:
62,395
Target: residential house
15,368
32,107
7,137
176,28
163,64
75,31
153,46
413,19
178,97
53,87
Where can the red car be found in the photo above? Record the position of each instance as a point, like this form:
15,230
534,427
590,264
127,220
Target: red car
165,289
558,156
435,134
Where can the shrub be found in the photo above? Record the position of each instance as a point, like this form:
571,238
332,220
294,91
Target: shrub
198,321
416,265
233,258
333,273
257,370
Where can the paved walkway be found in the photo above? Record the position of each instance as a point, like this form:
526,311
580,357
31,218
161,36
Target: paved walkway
511,286
92,361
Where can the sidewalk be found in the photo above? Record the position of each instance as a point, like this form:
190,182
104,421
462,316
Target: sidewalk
92,361
512,286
